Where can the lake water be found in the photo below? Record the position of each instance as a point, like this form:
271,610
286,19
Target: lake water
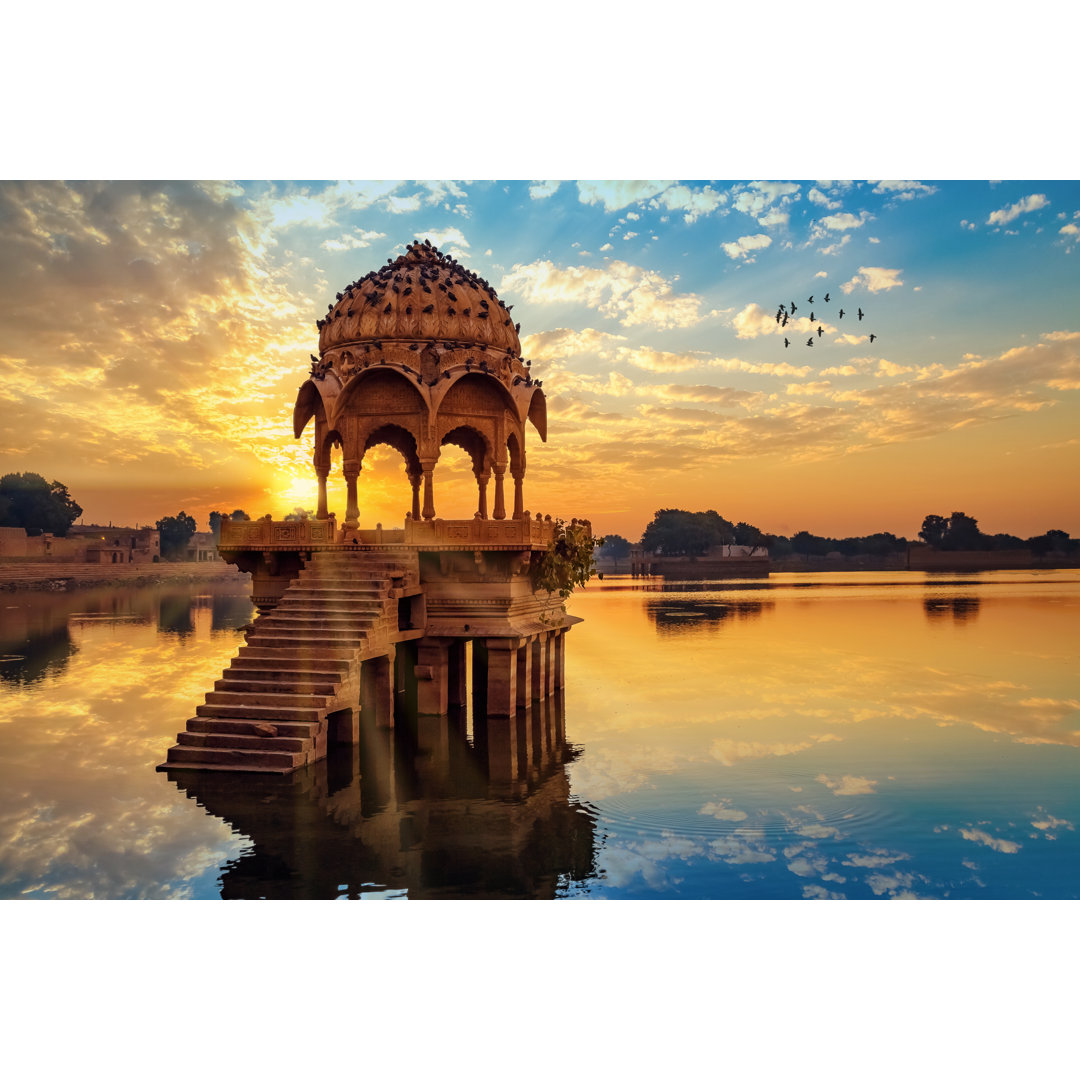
858,735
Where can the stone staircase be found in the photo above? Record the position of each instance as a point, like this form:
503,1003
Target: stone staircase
268,713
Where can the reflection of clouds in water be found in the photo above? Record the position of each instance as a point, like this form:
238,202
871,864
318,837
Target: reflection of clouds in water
1050,824
876,859
898,886
603,772
995,843
731,751
848,785
82,814
722,810
735,851
622,863
819,892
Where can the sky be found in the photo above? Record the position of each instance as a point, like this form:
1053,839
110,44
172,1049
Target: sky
155,335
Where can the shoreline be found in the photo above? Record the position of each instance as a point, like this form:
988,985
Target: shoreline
65,577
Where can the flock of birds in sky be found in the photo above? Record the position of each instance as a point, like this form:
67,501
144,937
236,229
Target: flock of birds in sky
784,313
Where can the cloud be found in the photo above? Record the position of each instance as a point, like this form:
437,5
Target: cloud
842,222
563,342
1010,213
654,360
692,203
443,237
875,279
543,189
886,368
995,843
754,321
741,248
402,204
782,370
904,190
632,294
760,198
358,238
818,198
617,194
848,785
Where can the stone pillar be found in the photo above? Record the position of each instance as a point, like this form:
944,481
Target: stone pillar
377,690
414,480
560,659
539,662
432,677
500,505
502,677
352,509
456,676
322,474
519,499
524,675
481,483
343,726
549,667
429,495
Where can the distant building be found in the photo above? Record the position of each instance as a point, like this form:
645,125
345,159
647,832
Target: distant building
202,547
115,546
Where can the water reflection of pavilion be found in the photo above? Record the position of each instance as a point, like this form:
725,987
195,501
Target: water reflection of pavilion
422,808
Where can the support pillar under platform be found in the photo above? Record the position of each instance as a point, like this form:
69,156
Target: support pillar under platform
432,676
502,676
377,690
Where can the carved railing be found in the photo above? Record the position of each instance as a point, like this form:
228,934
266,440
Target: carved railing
266,533
524,532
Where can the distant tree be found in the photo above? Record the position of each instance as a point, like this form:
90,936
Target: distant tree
614,546
240,515
31,502
934,530
749,536
806,543
175,533
1054,540
686,532
299,514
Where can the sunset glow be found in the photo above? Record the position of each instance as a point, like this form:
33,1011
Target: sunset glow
155,335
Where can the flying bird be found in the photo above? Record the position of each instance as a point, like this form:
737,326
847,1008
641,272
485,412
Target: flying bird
784,323
826,298
811,316
793,309
810,340
841,313
860,314
820,330
872,336
786,343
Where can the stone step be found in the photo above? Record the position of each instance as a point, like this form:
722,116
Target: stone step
282,699
358,589
265,668
259,712
298,616
219,740
336,658
263,728
314,639
301,632
242,682
265,760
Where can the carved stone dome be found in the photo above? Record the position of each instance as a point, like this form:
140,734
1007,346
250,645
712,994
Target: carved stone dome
421,296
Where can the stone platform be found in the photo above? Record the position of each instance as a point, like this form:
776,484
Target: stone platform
355,622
